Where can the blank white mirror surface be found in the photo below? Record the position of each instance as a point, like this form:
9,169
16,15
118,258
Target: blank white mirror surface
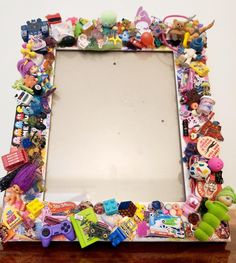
114,128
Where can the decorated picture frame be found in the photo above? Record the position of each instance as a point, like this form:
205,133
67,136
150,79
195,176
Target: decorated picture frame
27,216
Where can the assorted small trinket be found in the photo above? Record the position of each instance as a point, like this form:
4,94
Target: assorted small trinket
203,216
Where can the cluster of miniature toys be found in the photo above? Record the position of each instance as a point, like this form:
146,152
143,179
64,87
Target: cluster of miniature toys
203,216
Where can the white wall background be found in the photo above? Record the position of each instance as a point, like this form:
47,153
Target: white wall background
221,53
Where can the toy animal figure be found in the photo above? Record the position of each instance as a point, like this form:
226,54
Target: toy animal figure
194,30
177,31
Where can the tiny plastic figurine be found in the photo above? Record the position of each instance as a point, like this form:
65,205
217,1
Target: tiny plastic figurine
21,183
34,28
194,30
142,21
25,67
187,56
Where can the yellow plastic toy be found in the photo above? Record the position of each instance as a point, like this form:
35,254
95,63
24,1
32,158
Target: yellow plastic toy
200,68
11,218
186,38
139,212
27,51
34,208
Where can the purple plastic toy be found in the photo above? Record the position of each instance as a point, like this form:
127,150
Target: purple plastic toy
64,228
24,66
25,177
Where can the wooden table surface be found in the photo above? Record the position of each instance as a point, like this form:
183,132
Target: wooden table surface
126,252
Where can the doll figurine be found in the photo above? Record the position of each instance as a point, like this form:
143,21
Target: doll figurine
227,196
26,67
21,183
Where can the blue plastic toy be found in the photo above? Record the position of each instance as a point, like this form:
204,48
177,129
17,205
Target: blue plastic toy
197,44
34,28
110,206
116,237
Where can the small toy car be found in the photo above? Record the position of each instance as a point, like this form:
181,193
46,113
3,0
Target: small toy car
34,27
99,230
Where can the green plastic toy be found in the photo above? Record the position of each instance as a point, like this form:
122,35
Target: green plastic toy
19,85
217,212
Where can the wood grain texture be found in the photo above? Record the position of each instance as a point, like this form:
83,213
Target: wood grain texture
126,252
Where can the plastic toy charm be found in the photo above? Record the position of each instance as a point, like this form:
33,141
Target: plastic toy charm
14,159
110,206
27,50
187,56
34,28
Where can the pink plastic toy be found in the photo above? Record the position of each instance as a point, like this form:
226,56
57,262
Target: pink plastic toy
215,164
142,229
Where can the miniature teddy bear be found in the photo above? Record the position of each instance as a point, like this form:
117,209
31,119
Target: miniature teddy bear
178,30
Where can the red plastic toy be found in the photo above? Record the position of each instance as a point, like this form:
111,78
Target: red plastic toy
14,159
